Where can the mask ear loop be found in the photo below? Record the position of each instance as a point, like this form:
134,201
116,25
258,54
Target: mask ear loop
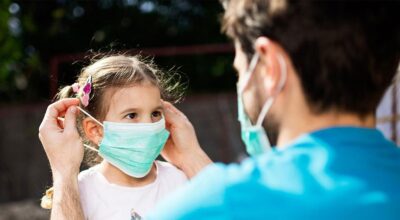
87,114
91,148
249,73
282,82
98,122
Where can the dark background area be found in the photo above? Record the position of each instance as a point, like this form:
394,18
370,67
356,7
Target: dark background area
33,32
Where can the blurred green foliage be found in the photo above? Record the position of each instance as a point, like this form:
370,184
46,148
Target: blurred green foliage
32,32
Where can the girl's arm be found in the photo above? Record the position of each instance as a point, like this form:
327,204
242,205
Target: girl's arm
64,150
182,148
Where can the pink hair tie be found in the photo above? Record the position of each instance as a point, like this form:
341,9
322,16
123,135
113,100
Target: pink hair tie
83,93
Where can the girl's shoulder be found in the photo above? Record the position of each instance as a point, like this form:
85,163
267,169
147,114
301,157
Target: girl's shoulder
87,175
169,172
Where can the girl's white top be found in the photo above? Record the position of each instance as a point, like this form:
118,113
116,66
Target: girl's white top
101,199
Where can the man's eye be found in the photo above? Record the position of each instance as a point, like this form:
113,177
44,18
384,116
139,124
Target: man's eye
156,114
131,116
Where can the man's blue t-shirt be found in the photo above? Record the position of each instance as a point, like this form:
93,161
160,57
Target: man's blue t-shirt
335,173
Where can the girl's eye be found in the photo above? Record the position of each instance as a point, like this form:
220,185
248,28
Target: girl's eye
156,114
131,116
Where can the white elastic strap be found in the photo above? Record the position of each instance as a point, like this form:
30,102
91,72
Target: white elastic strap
63,119
268,104
90,148
249,73
84,112
89,116
264,111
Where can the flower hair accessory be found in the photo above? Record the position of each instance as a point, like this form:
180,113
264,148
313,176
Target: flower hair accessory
83,93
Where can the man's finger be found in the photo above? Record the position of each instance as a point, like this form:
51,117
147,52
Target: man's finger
70,120
56,110
61,122
170,115
169,107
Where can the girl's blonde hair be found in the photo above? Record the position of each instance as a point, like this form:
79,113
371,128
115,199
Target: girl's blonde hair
113,72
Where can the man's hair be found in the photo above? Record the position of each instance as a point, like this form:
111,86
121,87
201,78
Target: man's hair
344,52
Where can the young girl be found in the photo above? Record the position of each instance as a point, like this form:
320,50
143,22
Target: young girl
121,120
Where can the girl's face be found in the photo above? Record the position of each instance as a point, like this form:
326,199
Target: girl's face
135,104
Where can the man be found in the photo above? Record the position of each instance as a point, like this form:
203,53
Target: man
311,71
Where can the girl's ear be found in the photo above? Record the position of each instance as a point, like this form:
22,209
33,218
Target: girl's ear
93,131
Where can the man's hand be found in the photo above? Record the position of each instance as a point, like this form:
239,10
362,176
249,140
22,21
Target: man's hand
61,140
182,148
64,150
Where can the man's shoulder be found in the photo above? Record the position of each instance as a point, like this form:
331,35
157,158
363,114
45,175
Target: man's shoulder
204,193
224,191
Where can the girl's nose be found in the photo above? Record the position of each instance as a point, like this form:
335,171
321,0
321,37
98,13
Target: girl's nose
146,119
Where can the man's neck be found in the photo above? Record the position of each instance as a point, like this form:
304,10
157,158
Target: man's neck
294,127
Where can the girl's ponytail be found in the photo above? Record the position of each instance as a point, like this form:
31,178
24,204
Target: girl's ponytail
65,92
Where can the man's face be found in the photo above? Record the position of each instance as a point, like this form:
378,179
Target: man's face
254,95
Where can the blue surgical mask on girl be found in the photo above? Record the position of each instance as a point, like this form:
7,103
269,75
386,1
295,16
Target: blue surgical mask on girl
131,147
254,136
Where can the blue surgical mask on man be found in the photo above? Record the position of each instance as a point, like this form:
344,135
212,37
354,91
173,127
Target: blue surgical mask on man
254,136
132,147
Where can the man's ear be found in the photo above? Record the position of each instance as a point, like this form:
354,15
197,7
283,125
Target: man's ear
93,131
269,66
